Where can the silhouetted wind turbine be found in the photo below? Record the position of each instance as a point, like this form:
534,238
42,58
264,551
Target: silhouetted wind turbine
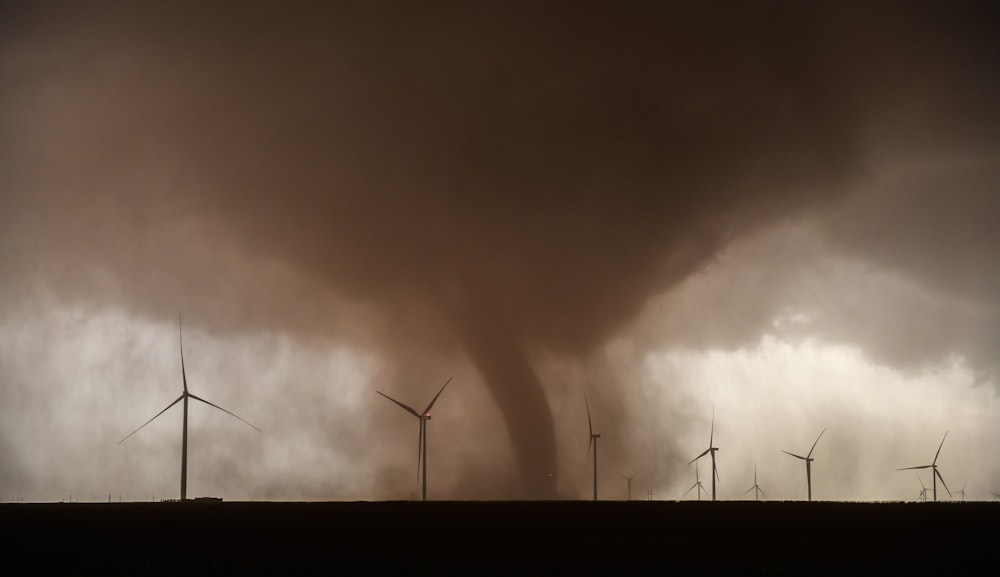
756,488
184,397
593,441
808,459
710,450
962,490
933,466
697,482
923,490
422,438
628,480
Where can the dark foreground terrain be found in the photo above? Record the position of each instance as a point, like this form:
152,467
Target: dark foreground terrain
469,538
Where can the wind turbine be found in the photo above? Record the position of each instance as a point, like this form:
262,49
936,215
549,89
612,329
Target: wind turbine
756,488
593,441
962,490
628,480
184,397
697,483
710,450
808,459
935,475
922,497
422,439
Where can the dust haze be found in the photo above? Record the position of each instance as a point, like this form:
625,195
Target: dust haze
541,201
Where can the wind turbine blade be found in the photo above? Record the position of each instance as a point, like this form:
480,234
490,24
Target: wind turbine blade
762,492
590,425
911,468
794,455
711,436
698,457
814,444
180,334
434,400
151,420
936,472
748,490
407,408
689,490
223,410
934,462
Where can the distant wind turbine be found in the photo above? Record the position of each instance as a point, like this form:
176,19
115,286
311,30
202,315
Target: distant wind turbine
710,451
808,459
422,438
628,480
935,475
756,488
593,441
922,497
697,483
962,490
184,397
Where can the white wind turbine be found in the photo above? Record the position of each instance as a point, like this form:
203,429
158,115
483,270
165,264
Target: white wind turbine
710,451
922,497
697,483
935,475
962,490
185,395
808,459
422,438
756,488
628,481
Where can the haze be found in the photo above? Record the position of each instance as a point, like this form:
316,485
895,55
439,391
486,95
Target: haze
785,212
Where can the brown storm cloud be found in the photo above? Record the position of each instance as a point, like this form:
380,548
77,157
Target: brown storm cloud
500,179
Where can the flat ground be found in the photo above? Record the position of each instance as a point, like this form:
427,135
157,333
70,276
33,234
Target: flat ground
501,538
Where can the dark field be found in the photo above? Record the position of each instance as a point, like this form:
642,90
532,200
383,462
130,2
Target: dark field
560,537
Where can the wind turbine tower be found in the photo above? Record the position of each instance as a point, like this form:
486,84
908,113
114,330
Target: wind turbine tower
710,451
808,459
593,441
935,474
422,438
184,397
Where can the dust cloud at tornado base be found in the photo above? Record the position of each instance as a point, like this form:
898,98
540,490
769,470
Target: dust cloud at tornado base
496,192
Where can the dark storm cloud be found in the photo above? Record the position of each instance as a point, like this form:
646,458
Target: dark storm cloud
500,179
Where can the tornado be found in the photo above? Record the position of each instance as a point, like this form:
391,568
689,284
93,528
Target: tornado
525,176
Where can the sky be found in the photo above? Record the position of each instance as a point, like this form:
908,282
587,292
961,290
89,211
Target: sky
744,221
